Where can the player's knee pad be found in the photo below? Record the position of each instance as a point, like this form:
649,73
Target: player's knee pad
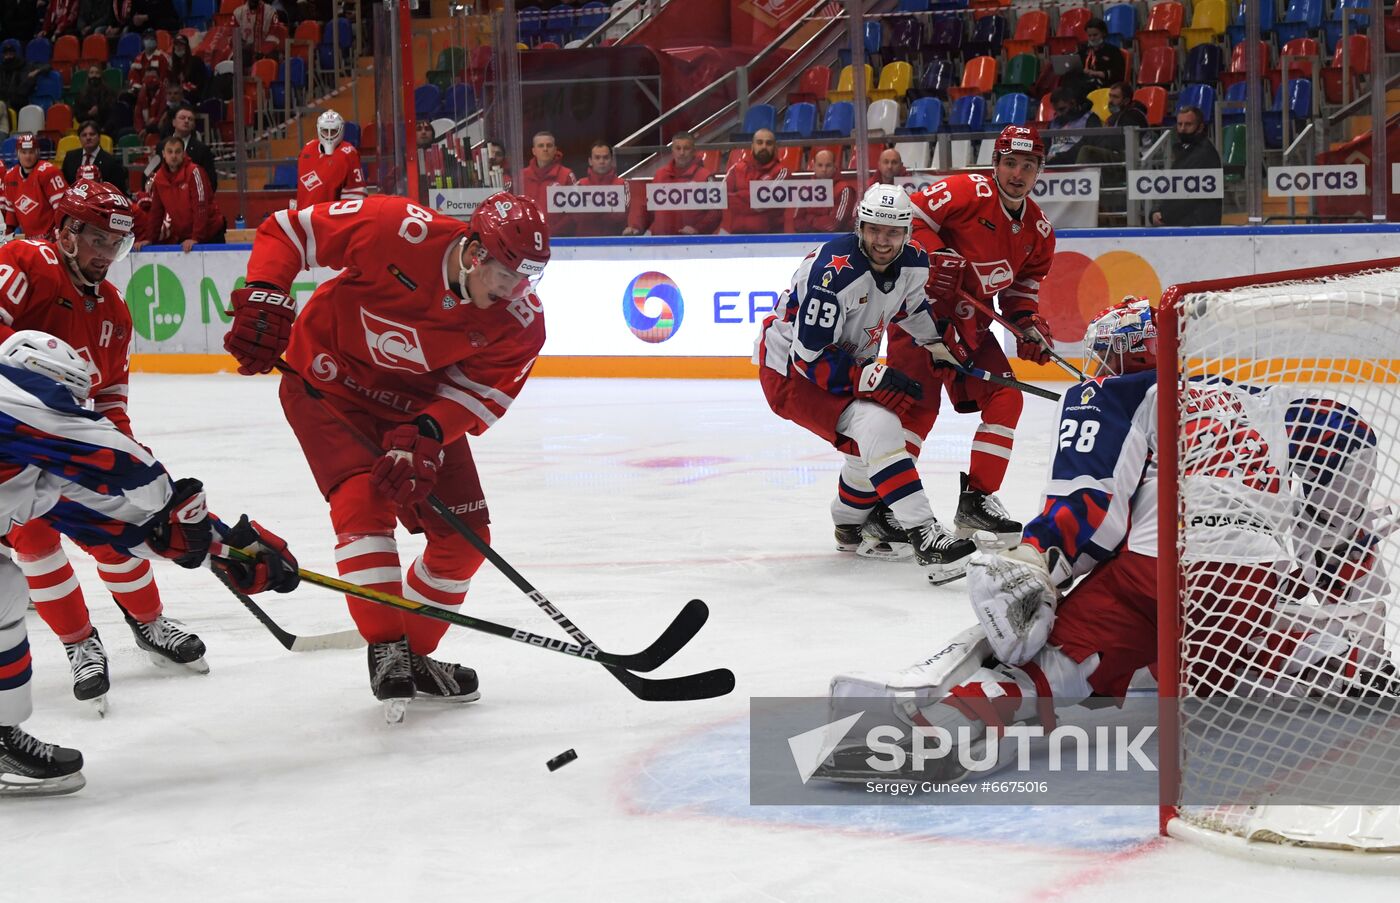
877,430
34,540
452,557
14,601
356,510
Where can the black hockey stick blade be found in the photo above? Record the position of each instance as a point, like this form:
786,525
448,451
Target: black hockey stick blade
345,639
681,631
704,685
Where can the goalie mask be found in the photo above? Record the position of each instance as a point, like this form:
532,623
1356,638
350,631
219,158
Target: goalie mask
1122,339
39,352
330,129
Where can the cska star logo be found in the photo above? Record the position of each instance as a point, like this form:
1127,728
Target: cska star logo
839,262
876,331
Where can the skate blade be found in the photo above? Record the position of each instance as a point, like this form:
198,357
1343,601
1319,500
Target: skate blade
939,575
198,666
447,700
885,551
395,710
987,541
847,546
15,786
99,704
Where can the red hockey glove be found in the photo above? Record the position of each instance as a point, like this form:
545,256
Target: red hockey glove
408,469
275,568
945,274
952,351
888,388
262,327
1035,346
181,531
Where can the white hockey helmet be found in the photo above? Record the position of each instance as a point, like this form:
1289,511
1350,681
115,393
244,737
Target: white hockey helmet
884,205
330,128
39,352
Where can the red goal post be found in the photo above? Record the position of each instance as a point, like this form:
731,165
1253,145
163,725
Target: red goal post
1279,475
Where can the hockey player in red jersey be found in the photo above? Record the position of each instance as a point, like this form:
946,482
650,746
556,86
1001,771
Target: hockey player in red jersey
987,237
32,190
60,288
329,166
426,336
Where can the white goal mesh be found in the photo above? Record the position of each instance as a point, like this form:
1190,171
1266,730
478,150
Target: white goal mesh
1287,498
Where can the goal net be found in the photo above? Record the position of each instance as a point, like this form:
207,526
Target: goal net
1279,425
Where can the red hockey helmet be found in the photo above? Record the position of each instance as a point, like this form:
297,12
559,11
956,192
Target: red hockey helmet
1019,139
102,206
514,233
25,141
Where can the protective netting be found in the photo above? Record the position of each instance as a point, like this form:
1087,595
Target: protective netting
1288,444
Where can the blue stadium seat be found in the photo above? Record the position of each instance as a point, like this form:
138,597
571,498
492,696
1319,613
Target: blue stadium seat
38,50
1357,24
1236,93
460,102
1299,108
284,178
201,15
925,117
799,121
759,116
559,25
590,16
1201,96
1267,24
426,99
988,33
1203,64
352,133
48,89
1011,109
839,121
969,113
1301,17
529,24
1122,24
7,151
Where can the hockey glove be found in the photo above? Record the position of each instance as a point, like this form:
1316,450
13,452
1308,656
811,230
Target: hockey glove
408,469
1034,343
888,388
952,351
945,274
181,531
1014,599
262,327
275,568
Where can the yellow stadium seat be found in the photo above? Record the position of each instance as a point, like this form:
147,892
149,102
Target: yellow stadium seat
1208,20
895,81
846,84
65,144
1099,99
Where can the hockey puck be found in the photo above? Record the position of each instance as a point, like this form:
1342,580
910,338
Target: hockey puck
559,761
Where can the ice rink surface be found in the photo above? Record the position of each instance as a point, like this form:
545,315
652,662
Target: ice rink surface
275,778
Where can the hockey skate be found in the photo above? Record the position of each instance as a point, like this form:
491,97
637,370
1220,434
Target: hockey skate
984,511
29,767
391,677
943,555
442,681
169,643
91,680
848,537
883,538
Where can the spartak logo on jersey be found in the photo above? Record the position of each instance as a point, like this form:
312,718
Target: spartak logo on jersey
25,204
311,180
994,275
393,346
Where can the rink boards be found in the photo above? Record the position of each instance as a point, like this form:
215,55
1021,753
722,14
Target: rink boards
690,307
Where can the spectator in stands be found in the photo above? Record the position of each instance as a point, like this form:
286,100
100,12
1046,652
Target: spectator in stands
760,164
423,129
255,21
1101,64
496,160
1072,111
150,59
179,191
150,104
96,101
542,172
188,69
182,126
601,171
840,216
15,84
1123,112
144,14
96,17
685,166
21,18
90,153
888,168
1191,149
61,18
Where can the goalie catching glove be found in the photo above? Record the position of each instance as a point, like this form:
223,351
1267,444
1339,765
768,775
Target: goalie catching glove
275,567
262,327
888,387
1014,599
408,469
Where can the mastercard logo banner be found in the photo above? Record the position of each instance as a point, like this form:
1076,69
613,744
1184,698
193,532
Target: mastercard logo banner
1080,286
652,307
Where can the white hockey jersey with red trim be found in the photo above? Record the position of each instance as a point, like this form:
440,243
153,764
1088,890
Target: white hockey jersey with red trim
322,177
36,292
390,333
1007,255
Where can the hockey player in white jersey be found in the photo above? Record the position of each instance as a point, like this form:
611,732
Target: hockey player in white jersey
101,487
818,368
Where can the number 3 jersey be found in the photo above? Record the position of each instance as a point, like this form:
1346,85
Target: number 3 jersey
829,323
389,332
1102,495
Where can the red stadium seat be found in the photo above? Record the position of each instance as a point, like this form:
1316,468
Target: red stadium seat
1239,63
1069,33
1032,32
1154,98
812,86
94,50
1158,67
979,75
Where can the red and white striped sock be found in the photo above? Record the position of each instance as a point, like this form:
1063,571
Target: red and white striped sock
424,586
133,584
56,594
372,560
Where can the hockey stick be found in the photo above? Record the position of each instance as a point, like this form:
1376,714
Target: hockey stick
1021,334
345,639
703,685
681,630
979,373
